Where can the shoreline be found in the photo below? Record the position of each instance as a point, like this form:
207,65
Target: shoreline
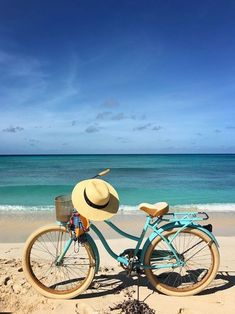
17,226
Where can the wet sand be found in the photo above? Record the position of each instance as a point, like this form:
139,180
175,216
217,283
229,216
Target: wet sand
17,226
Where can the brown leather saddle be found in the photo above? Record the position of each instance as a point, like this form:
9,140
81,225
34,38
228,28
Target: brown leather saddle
155,210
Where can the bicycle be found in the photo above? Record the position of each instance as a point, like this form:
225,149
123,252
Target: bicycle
179,258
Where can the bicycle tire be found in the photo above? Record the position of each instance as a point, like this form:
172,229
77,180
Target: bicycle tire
160,279
39,242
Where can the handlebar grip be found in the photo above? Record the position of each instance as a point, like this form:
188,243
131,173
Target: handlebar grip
103,173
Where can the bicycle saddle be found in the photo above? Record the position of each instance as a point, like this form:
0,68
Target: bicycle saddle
155,210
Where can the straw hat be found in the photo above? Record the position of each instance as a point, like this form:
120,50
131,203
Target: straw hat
95,199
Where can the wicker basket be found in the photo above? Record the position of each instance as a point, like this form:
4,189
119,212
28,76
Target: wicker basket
64,208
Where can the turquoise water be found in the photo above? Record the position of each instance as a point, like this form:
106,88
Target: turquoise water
32,182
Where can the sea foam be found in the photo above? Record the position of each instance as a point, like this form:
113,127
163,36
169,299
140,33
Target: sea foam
26,208
211,207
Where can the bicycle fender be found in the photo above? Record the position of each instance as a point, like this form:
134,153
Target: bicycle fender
170,226
209,234
90,240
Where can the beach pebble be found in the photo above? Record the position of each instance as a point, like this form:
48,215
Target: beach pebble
187,311
22,281
27,285
16,288
96,285
3,272
24,291
2,260
82,308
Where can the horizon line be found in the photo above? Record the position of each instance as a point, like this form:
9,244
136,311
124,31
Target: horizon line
113,154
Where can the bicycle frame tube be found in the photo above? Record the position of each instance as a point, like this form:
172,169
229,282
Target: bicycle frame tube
159,231
121,232
139,240
66,247
107,247
142,235
69,242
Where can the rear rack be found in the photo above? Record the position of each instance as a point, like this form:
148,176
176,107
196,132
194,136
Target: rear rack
185,216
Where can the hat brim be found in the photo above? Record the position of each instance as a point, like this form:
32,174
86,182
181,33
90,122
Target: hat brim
92,213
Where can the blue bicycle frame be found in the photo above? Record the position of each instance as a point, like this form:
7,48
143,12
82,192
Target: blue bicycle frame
181,220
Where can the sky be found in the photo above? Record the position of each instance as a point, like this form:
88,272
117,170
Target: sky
80,77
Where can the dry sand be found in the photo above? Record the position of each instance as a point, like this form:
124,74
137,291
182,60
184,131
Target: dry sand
111,285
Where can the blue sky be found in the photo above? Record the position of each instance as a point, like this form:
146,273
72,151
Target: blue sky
117,76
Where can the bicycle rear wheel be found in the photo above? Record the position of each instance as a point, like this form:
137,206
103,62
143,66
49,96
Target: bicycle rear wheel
67,280
201,261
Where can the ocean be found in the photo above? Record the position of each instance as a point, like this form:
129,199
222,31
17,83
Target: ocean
202,182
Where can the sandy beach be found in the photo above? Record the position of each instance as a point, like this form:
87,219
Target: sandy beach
114,110
111,285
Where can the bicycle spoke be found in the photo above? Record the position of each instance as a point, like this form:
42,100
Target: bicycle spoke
197,251
194,252
73,269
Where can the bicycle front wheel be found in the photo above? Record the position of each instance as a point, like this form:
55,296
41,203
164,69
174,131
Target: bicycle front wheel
64,281
199,254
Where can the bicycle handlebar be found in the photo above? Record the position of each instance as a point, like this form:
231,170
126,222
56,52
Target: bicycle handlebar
102,173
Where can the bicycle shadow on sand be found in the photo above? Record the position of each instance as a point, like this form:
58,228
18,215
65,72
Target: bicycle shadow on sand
109,284
224,280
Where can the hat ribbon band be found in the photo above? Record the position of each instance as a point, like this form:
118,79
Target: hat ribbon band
92,204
